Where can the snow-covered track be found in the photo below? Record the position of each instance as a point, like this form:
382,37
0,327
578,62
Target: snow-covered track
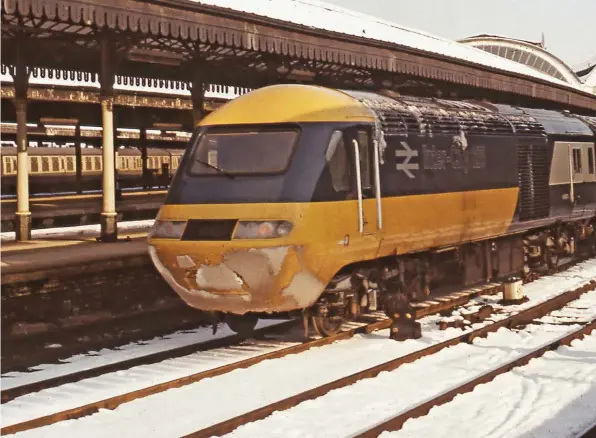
78,400
116,401
375,322
368,325
17,391
516,320
395,423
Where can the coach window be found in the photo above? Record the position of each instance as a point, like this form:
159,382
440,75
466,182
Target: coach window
339,165
34,164
591,161
577,160
55,164
45,164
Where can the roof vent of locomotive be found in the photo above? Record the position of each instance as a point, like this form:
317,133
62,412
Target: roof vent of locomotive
591,121
521,120
394,118
526,125
453,117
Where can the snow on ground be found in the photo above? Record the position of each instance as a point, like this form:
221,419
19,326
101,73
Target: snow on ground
81,230
189,408
77,394
356,408
94,359
552,397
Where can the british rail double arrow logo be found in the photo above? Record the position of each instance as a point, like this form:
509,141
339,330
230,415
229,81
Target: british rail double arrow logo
408,153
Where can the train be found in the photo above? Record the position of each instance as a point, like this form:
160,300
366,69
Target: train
327,204
53,169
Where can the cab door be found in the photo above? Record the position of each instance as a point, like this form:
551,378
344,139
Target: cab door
590,180
366,189
578,169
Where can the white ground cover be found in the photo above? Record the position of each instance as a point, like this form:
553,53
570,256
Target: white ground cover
80,230
107,356
514,405
108,385
183,410
552,397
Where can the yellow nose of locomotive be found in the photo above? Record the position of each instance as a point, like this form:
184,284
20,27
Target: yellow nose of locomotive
225,263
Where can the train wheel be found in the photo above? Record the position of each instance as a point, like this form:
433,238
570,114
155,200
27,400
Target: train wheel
244,325
552,258
327,325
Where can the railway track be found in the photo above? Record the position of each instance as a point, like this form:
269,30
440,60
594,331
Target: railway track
395,423
376,322
514,321
229,425
151,358
23,351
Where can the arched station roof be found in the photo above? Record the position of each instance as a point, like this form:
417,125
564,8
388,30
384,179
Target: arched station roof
588,77
531,54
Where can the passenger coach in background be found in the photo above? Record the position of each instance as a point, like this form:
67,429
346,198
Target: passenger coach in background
54,169
329,203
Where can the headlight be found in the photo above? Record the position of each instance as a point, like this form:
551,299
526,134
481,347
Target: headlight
167,229
262,229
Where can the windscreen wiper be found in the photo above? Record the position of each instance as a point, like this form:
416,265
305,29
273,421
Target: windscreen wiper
219,169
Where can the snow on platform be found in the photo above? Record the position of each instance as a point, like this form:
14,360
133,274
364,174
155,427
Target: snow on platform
186,409
329,17
80,231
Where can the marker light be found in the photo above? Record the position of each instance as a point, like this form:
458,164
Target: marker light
167,229
262,229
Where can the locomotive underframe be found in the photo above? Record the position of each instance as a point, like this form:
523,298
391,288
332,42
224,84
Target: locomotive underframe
378,285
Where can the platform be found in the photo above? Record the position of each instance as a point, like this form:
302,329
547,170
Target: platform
40,258
51,208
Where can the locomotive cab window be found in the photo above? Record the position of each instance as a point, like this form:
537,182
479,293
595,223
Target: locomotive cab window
244,151
364,148
340,156
338,162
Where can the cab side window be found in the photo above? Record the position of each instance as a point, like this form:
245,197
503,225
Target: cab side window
339,163
364,150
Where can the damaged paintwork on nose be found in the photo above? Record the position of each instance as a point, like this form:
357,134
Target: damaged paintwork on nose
268,279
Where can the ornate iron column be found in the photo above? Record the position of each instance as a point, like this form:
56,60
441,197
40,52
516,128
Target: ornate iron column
109,223
78,157
143,145
21,83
